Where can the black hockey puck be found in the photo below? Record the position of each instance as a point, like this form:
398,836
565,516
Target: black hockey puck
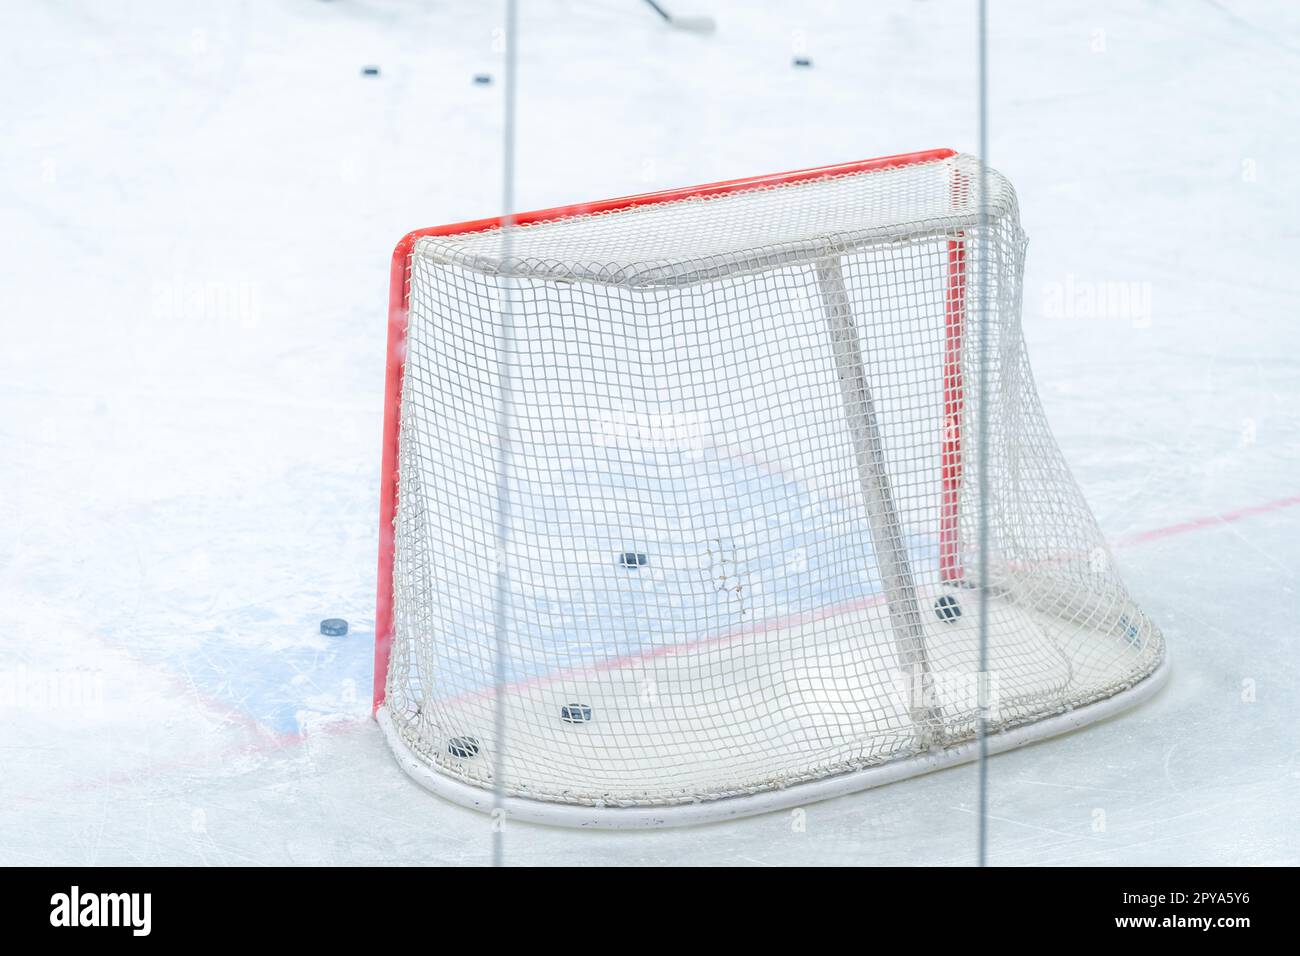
463,746
575,713
333,627
482,79
947,608
370,71
802,61
632,559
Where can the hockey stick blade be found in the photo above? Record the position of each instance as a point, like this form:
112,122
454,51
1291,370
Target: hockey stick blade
690,24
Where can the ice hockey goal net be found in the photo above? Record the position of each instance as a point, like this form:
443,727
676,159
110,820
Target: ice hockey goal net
727,437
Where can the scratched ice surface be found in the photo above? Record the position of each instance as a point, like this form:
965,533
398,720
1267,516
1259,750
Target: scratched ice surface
199,203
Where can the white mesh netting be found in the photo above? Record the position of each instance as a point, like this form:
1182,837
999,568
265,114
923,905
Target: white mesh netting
743,498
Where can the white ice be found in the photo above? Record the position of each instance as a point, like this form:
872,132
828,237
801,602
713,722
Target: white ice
200,201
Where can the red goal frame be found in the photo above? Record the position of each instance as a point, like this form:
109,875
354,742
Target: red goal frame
398,317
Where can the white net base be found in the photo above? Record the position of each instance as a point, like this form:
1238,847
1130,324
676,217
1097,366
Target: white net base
822,702
741,506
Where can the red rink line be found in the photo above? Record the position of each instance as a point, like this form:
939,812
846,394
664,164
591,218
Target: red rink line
745,631
1208,521
271,741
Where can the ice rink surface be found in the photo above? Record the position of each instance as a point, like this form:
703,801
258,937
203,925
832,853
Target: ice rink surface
200,202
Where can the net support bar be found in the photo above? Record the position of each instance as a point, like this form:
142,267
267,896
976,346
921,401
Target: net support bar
882,514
